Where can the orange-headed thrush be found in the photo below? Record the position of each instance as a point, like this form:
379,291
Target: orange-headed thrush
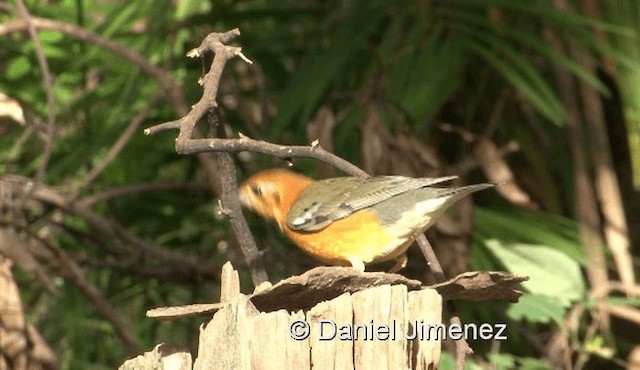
351,220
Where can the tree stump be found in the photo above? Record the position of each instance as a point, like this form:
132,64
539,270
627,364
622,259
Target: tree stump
328,318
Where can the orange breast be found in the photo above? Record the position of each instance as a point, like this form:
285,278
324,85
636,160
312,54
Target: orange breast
359,235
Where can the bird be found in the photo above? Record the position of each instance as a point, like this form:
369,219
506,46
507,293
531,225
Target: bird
351,221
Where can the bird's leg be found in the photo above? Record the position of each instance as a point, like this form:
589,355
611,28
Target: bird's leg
401,262
357,263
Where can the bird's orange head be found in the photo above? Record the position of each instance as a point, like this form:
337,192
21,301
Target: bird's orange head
271,193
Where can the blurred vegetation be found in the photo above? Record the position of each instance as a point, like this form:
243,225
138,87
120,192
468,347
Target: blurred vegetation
550,87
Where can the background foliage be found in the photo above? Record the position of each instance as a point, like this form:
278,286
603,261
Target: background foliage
541,92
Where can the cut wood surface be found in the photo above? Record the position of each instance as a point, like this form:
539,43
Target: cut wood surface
324,283
337,354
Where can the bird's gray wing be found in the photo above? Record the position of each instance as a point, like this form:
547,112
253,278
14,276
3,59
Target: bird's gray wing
333,199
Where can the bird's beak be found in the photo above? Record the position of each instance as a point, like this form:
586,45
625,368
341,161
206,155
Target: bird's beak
244,199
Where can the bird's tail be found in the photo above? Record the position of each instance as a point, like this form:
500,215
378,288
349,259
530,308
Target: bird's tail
460,192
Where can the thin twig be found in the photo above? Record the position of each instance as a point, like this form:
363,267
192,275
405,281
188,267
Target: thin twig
117,146
133,189
48,88
186,265
286,152
432,259
173,91
18,145
630,314
462,346
470,162
68,268
216,43
74,273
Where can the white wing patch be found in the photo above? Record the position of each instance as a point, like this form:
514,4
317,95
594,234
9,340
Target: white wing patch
307,216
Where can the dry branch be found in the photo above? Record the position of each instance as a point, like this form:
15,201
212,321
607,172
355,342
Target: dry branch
48,88
171,88
216,43
128,246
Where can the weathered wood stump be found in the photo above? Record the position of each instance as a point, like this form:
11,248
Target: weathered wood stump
328,318
371,328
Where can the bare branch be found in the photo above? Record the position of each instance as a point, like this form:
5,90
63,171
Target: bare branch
69,269
216,43
48,88
171,88
244,143
186,266
133,189
118,145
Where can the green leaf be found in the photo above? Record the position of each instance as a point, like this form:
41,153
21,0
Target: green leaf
525,39
530,363
536,309
568,20
17,68
597,346
50,36
422,81
628,78
527,82
514,225
448,362
507,361
311,81
502,361
551,272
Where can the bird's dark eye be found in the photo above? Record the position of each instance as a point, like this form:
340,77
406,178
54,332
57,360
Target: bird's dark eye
256,190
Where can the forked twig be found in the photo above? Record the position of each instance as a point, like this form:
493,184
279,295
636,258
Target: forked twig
186,144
